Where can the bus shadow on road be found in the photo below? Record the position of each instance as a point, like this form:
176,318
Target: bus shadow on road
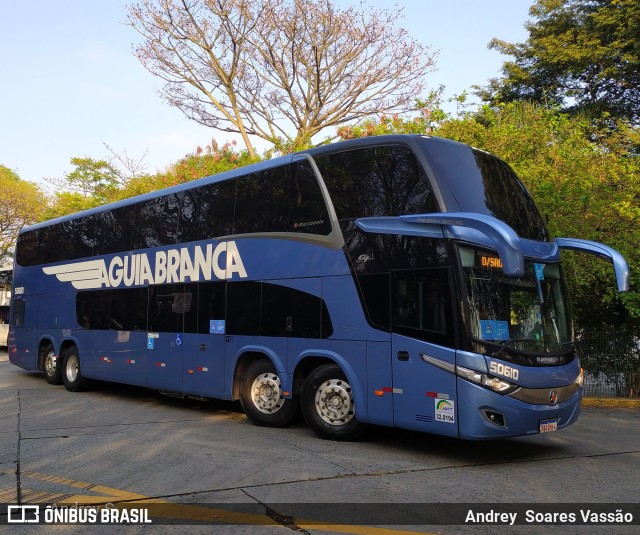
476,452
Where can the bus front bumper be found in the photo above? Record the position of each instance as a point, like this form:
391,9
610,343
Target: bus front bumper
484,414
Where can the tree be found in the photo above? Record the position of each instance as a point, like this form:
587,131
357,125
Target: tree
211,160
22,203
90,184
281,70
126,167
579,54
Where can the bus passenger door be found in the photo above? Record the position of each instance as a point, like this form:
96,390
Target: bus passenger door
165,339
204,340
424,395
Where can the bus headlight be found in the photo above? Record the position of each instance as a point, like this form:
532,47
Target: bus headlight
494,383
579,380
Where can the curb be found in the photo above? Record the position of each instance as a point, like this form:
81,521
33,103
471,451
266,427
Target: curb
622,403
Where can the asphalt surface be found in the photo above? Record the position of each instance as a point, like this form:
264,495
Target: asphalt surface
122,445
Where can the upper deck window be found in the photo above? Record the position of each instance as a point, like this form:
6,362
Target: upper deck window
472,180
386,180
280,199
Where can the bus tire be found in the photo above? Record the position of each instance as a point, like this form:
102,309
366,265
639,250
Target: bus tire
262,398
51,365
327,404
71,375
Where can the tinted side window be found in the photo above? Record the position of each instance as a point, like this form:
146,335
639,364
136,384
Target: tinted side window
157,222
376,181
167,305
293,313
128,309
92,309
114,230
374,289
421,305
282,199
207,211
65,241
106,232
17,313
243,308
211,305
507,198
374,256
27,249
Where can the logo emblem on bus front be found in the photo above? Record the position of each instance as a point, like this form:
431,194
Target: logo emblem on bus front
553,397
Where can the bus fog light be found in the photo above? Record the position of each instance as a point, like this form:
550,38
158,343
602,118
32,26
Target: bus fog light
495,417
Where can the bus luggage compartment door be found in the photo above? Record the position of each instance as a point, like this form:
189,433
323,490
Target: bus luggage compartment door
424,396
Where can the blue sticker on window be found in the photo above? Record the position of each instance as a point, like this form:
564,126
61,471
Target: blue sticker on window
494,330
216,327
539,271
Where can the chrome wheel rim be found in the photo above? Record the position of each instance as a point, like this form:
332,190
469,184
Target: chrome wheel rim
72,368
334,402
266,393
50,364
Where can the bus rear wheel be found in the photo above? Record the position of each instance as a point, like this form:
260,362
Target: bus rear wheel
327,404
71,375
262,398
51,365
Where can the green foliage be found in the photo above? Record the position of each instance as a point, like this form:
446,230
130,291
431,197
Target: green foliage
579,54
22,203
211,160
430,115
68,202
90,184
92,178
8,175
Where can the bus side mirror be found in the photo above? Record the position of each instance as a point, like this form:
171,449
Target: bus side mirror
620,265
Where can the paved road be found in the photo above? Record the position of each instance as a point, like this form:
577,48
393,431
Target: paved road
115,444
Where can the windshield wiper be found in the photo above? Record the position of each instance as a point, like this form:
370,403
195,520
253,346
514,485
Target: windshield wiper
561,348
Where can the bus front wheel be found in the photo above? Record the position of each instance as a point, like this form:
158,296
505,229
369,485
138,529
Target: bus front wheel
262,398
71,376
327,404
51,365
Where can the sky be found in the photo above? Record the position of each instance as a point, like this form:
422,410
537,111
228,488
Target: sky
69,82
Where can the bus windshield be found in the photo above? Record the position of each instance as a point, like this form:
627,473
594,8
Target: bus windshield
528,315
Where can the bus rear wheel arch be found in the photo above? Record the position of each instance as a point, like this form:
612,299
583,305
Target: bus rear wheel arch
327,404
51,364
71,372
262,397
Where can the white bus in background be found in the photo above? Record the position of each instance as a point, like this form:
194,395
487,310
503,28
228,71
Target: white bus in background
5,301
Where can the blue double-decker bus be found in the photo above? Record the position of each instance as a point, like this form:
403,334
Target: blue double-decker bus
404,281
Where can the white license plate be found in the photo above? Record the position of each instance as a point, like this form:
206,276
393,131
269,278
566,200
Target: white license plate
548,425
